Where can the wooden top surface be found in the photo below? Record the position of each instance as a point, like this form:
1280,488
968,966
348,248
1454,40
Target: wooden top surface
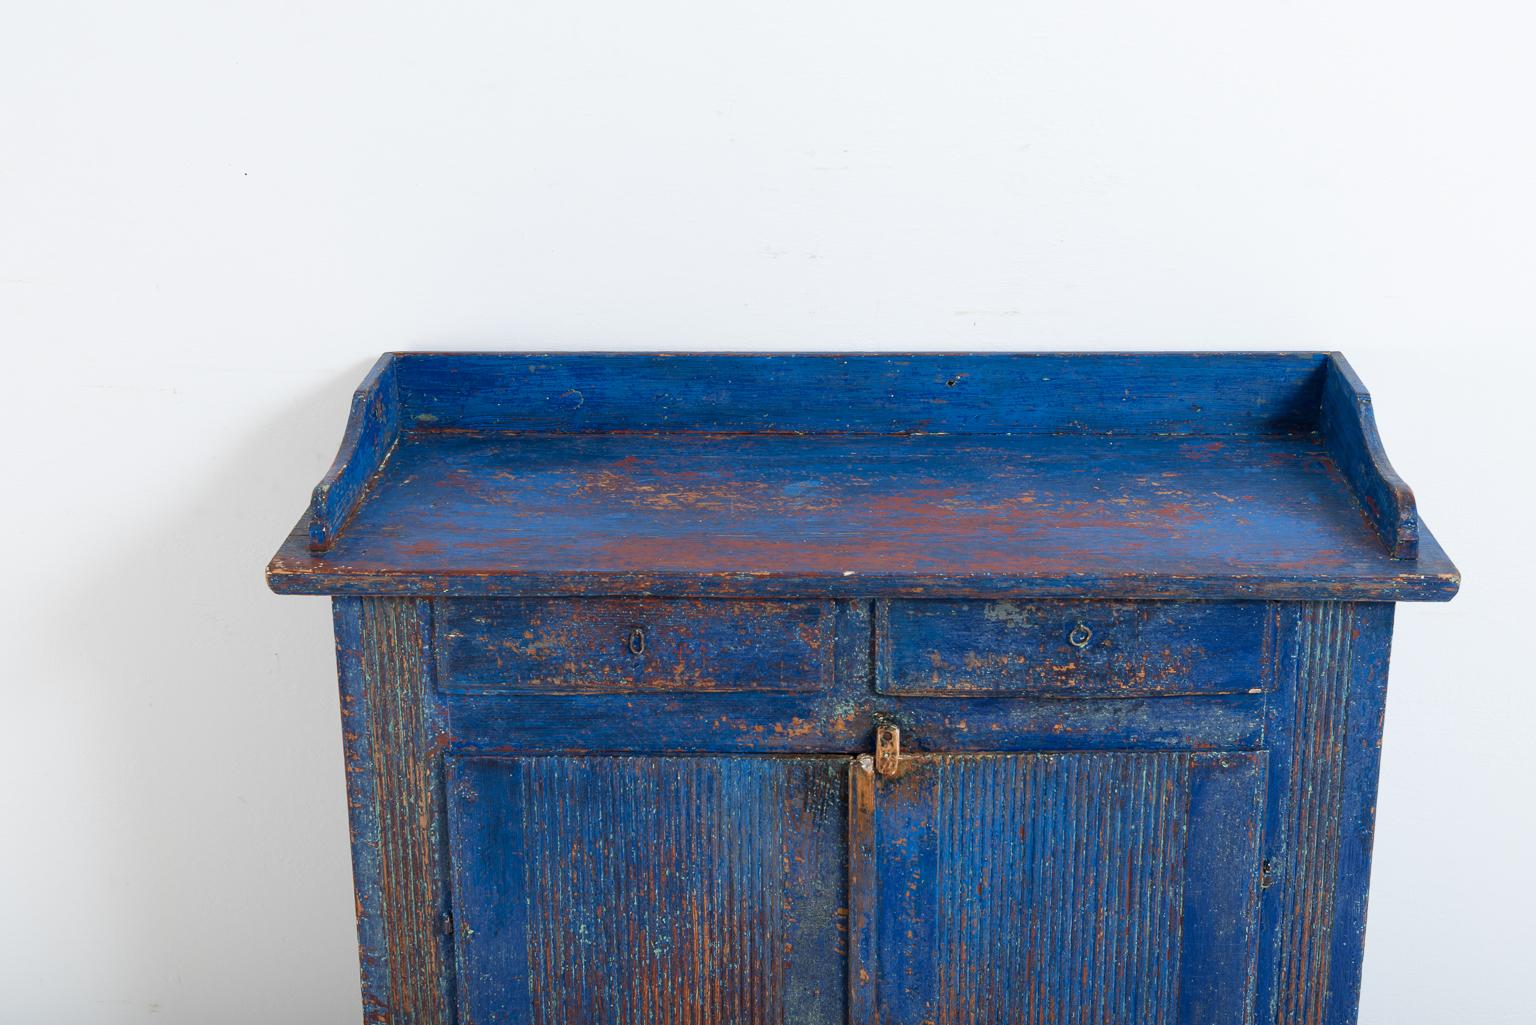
1222,516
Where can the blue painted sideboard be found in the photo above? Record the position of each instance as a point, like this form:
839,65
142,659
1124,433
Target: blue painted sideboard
936,688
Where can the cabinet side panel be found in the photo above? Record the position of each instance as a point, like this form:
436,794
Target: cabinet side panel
1357,815
392,788
362,808
1325,727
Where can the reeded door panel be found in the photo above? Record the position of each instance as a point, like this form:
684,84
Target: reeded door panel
639,890
1064,888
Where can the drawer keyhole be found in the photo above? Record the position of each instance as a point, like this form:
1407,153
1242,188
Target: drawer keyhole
637,641
1080,636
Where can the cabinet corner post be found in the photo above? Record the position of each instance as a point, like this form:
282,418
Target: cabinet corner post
394,785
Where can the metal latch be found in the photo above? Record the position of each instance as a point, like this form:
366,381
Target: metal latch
887,750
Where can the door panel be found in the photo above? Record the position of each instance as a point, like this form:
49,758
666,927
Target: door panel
1105,888
629,890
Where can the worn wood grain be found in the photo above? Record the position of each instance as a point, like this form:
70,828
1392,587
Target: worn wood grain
743,724
393,785
863,901
1326,725
868,393
1061,888
1119,475
616,638
628,645
930,516
373,429
650,891
1347,422
1072,648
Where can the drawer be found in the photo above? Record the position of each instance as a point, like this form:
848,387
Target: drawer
631,645
1071,648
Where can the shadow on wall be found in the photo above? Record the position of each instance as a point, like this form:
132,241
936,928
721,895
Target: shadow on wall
211,729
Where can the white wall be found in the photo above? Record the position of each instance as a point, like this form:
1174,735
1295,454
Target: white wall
214,216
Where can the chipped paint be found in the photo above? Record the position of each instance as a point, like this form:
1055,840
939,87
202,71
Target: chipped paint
617,764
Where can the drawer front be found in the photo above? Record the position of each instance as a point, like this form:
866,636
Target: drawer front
1071,648
624,645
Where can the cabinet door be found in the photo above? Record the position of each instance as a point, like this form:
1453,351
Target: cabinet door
627,890
1104,888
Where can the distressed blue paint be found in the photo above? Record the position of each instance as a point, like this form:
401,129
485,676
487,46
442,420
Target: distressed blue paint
394,786
746,724
635,891
1071,648
362,808
1347,422
615,636
1369,656
626,645
863,965
1173,475
1070,888
657,514
1220,918
373,430
827,393
1325,722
